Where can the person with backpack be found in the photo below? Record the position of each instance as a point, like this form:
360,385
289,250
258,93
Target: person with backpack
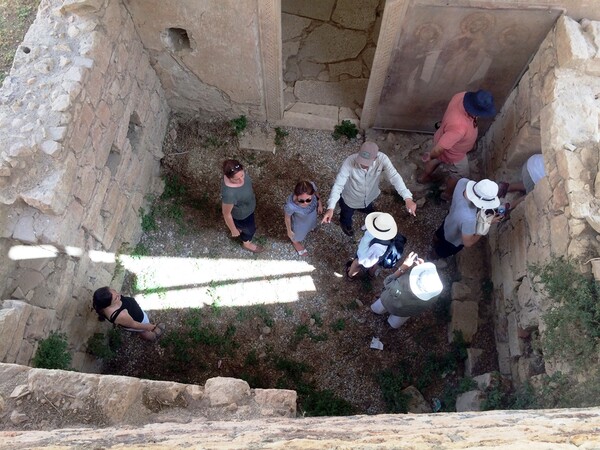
381,246
460,227
409,292
126,313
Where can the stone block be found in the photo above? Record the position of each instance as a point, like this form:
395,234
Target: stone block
346,93
526,143
484,381
571,44
162,392
316,117
328,44
26,352
55,385
464,319
503,358
473,355
469,401
559,234
514,342
277,399
62,230
320,10
461,291
24,230
38,323
416,402
352,68
51,194
355,14
292,26
92,220
222,391
28,279
528,312
13,318
258,139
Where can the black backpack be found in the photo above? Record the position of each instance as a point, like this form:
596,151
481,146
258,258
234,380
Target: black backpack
393,253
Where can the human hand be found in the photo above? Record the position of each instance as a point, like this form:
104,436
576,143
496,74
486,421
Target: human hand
411,206
235,233
497,218
410,259
419,261
320,208
426,157
327,216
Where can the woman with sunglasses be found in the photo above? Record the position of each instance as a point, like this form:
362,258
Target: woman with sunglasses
238,204
301,213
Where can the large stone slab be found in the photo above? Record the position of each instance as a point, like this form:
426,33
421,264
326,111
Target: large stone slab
306,115
327,44
292,26
464,319
320,10
349,93
355,14
258,139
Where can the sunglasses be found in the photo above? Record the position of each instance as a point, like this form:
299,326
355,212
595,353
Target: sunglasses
307,200
235,169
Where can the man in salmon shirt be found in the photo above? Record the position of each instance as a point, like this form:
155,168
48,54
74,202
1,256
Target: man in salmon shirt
457,134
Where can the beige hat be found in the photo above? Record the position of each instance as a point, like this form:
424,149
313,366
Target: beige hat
381,225
367,154
425,282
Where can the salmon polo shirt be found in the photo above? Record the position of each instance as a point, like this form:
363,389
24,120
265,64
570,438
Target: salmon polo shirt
457,134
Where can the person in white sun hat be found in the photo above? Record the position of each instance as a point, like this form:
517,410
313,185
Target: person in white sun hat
408,293
459,226
380,226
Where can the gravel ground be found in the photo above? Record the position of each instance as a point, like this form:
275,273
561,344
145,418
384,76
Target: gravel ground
277,319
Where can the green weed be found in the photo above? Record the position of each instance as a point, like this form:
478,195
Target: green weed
213,141
317,318
346,128
391,383
280,135
104,346
140,250
573,321
239,124
148,220
52,352
251,359
338,325
23,12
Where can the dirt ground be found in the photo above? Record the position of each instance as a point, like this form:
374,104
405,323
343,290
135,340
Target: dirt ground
316,341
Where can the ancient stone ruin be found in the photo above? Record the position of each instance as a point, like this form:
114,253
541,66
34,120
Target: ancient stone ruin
85,110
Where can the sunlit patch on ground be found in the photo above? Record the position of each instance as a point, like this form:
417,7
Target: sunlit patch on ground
164,282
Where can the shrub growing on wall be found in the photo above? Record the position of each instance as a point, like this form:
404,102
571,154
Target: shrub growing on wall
52,352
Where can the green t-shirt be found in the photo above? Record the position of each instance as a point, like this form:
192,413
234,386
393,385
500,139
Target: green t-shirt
242,198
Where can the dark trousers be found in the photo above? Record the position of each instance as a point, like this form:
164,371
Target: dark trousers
247,227
346,213
441,246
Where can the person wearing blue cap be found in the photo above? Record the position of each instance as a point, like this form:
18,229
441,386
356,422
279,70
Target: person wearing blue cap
457,134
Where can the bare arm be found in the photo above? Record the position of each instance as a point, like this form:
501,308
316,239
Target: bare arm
125,320
226,208
470,239
288,226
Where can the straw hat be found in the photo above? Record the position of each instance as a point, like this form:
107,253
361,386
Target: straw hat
381,225
425,282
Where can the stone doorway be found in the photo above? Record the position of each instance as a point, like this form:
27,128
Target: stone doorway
328,48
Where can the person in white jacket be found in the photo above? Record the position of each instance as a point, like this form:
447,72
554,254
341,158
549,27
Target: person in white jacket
356,186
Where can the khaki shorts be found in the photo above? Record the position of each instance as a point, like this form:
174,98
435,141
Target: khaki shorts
457,170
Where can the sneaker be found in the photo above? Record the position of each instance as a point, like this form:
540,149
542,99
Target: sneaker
347,231
396,321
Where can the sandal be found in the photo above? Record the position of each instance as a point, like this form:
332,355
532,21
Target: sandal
347,270
302,252
159,330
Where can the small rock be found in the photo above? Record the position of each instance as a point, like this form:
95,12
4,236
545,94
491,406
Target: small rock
359,303
263,355
312,321
173,134
266,330
390,137
19,391
232,407
17,418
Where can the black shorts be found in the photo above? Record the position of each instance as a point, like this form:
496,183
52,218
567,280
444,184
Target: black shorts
441,246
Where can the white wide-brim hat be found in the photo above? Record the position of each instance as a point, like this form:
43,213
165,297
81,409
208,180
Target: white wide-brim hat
483,194
425,282
381,225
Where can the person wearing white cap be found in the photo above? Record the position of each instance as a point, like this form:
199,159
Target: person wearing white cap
380,226
357,185
459,226
409,293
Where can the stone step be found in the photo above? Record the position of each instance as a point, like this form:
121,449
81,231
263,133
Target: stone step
316,117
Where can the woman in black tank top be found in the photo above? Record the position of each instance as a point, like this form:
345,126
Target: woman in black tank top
126,313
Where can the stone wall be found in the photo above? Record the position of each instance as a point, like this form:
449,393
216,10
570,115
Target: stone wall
553,110
83,116
215,58
49,399
328,51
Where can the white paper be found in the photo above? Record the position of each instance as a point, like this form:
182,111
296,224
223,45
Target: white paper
376,343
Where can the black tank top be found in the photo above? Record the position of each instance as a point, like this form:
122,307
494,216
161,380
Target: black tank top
132,308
